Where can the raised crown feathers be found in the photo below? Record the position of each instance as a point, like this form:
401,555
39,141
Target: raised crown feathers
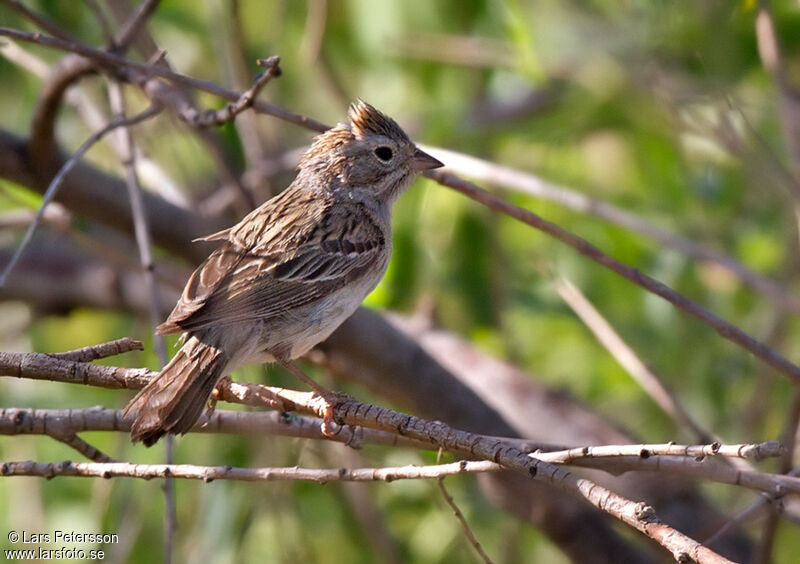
365,119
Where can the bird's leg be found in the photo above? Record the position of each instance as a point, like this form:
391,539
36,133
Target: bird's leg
331,399
214,398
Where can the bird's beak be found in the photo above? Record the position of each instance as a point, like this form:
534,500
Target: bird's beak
423,161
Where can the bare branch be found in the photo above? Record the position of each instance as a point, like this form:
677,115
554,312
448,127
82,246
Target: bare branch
628,359
134,24
103,350
759,504
752,452
725,329
39,20
27,421
211,473
707,469
22,421
775,485
113,61
89,451
140,221
463,521
245,101
101,18
473,540
351,412
42,147
525,183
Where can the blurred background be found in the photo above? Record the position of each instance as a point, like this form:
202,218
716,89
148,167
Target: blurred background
678,114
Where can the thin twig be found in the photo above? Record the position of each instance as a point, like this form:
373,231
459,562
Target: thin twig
113,61
753,452
143,242
140,223
628,359
103,350
134,24
101,18
473,540
705,469
39,20
725,329
740,518
234,59
74,441
52,189
246,100
788,438
463,522
496,175
775,485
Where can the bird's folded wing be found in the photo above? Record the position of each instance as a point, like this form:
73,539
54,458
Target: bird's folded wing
237,284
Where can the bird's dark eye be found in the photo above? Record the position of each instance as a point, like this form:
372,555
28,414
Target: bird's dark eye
383,153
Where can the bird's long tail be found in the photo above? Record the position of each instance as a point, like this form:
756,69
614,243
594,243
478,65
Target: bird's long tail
173,401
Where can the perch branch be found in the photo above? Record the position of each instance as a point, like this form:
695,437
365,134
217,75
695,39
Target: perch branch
27,421
350,412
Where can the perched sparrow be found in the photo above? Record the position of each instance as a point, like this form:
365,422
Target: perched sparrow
290,272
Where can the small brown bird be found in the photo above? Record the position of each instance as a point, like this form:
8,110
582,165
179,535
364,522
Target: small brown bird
289,273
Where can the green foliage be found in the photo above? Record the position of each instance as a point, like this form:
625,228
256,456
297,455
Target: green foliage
645,85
